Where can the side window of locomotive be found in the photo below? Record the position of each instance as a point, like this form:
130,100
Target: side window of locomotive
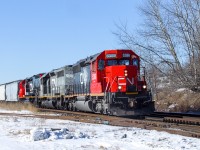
101,64
60,74
135,62
124,62
112,62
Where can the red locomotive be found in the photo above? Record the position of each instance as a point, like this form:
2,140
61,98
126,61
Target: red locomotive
116,75
109,82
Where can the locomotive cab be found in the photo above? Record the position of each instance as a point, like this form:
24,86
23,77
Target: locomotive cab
118,71
117,75
32,85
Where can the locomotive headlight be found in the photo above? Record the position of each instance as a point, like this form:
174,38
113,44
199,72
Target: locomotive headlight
119,87
144,86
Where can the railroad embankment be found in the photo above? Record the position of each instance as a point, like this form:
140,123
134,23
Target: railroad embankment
181,100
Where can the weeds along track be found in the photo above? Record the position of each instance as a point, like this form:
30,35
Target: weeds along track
189,128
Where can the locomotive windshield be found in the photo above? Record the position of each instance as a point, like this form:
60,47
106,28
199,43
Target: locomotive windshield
112,62
124,62
118,62
115,62
135,62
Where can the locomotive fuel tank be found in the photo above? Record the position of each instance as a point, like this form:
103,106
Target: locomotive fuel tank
85,105
47,104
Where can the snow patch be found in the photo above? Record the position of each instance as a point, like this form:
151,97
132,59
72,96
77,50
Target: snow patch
16,112
172,106
181,90
38,134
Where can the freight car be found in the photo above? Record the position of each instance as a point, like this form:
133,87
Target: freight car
9,91
2,92
109,83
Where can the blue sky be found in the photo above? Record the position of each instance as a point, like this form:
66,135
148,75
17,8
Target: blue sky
41,35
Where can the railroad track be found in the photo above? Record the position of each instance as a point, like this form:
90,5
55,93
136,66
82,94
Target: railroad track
188,123
179,118
175,123
154,122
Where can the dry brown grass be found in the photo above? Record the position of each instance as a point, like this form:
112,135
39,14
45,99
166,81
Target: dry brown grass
183,101
18,106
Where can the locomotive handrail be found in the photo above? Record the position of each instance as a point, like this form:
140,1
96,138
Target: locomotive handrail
112,82
143,75
107,84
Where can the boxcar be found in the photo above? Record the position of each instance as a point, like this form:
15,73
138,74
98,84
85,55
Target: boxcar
12,90
2,92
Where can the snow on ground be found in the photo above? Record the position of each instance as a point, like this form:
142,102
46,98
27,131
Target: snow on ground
17,133
16,112
181,90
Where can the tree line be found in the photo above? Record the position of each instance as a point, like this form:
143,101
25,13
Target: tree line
168,41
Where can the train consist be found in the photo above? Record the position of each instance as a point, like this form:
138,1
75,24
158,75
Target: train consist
109,83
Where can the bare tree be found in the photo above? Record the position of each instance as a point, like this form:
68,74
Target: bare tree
169,39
